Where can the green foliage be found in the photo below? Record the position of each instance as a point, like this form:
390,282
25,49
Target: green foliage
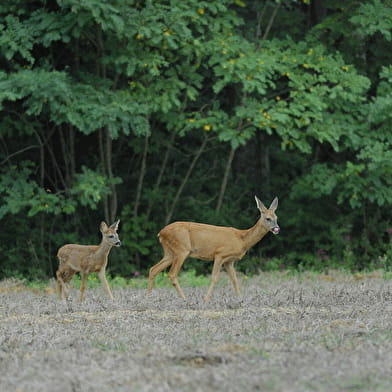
188,278
19,193
139,234
90,187
374,17
16,39
83,105
112,101
371,167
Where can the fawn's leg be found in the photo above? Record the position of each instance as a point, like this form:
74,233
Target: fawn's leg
83,276
60,284
104,282
63,276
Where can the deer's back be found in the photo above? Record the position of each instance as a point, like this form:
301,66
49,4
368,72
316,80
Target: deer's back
202,240
75,251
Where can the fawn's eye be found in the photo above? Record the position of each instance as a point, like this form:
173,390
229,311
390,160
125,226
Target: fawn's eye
268,219
111,236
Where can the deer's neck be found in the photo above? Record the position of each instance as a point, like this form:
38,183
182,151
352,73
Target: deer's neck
103,250
253,235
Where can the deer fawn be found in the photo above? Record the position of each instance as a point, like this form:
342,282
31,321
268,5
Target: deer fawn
223,245
86,259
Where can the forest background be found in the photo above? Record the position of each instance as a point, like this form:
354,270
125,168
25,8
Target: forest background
155,111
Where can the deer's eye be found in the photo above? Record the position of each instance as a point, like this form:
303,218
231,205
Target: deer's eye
111,236
268,219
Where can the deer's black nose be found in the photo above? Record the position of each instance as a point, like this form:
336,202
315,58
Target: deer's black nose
118,243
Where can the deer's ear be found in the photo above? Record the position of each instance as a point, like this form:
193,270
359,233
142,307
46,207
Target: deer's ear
114,226
260,204
103,227
274,204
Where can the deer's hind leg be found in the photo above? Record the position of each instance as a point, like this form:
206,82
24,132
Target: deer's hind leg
166,261
175,252
229,266
178,261
63,276
214,277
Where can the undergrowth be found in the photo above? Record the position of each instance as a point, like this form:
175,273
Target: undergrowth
188,279
198,274
191,279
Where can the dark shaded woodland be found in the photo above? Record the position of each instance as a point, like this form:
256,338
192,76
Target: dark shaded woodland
155,111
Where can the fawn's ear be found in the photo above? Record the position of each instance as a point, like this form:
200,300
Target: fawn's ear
103,227
114,226
260,204
274,204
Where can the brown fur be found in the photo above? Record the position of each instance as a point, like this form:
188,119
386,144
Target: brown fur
86,259
223,245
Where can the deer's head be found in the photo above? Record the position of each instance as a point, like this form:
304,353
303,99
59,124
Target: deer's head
268,217
109,234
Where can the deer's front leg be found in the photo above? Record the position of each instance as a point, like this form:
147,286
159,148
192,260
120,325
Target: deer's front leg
82,285
104,282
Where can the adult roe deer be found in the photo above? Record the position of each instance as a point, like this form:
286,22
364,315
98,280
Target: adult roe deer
86,259
223,245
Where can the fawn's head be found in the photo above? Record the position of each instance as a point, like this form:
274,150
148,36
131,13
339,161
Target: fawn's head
268,217
109,234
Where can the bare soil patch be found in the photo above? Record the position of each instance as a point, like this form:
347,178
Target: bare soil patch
303,333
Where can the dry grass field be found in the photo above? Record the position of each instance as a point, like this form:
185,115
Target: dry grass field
286,333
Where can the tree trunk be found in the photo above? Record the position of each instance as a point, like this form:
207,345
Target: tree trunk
317,11
102,158
161,172
185,180
112,200
225,179
105,139
67,139
270,22
265,164
141,176
71,135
